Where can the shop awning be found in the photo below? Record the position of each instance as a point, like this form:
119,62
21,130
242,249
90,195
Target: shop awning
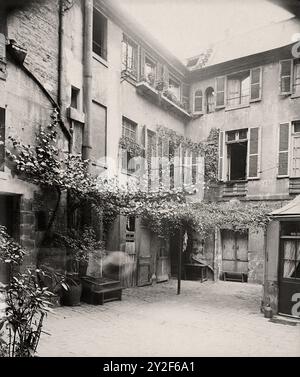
290,210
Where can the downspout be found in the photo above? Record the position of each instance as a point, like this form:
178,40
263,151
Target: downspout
60,53
87,77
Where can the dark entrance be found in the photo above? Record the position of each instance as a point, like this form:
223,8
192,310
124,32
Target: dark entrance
9,217
237,153
289,268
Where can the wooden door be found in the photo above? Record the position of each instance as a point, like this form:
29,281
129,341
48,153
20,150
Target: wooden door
163,261
127,273
234,251
144,261
289,275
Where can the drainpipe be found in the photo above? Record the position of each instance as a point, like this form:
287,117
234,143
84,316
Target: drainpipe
87,77
60,53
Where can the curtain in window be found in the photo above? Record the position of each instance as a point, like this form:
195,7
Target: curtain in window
291,268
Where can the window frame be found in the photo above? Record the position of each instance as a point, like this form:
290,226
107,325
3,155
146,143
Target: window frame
125,152
104,43
194,101
133,71
173,78
155,64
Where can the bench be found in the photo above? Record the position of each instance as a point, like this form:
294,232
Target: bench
234,276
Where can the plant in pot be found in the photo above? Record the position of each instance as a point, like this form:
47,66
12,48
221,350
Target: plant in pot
80,246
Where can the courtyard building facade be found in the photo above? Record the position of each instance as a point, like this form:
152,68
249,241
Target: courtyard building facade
115,85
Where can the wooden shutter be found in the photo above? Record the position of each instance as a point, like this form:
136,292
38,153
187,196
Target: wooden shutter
286,76
185,97
2,139
220,91
165,75
142,63
256,84
2,47
254,153
198,101
165,163
221,155
283,151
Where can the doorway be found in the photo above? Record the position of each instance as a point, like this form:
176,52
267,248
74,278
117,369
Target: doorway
289,268
10,219
234,252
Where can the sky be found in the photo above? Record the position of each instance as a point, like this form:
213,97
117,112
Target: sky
187,27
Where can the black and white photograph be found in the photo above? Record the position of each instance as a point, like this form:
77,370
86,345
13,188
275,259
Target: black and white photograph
149,181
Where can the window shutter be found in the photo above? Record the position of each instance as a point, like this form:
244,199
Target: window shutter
165,75
198,101
286,71
256,84
165,164
185,97
2,138
2,47
220,91
254,153
283,156
221,155
142,63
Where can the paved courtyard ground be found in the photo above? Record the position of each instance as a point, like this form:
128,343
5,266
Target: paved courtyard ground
208,319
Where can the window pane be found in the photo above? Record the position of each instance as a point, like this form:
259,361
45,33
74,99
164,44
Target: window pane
288,269
198,103
289,250
285,68
286,84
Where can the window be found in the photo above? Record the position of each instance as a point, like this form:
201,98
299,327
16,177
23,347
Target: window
239,154
129,56
2,139
174,87
238,89
129,130
295,149
99,34
150,71
198,99
210,100
75,97
286,69
296,81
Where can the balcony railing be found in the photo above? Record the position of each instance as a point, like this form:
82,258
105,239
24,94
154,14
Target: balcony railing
164,98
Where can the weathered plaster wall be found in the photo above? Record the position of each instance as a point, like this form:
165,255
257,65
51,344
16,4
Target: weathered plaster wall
268,113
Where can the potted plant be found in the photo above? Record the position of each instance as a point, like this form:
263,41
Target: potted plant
79,247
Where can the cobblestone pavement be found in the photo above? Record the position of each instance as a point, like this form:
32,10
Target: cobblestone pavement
208,319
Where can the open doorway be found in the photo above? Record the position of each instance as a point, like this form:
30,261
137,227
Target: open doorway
10,219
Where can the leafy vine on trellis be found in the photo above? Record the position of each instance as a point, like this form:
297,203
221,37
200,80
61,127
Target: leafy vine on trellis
134,149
